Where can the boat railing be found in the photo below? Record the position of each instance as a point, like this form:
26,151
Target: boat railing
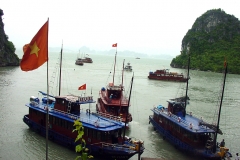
115,118
96,123
162,111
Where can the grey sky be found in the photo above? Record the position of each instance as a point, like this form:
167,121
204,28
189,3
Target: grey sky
145,26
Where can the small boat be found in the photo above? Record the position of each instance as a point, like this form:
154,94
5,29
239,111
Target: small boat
128,67
53,117
137,58
112,100
165,75
87,60
79,62
187,132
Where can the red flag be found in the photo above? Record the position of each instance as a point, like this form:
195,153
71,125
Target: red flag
114,45
36,52
82,87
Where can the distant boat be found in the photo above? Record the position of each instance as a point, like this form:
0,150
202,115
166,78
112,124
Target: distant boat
128,67
79,62
165,75
87,59
137,58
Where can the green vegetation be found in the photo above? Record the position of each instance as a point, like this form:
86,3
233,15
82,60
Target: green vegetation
81,147
214,37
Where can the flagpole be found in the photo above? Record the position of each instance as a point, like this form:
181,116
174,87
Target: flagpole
47,101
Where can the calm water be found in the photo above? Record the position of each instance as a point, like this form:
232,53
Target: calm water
16,87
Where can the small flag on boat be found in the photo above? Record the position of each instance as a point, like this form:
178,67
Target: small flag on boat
82,87
36,52
114,45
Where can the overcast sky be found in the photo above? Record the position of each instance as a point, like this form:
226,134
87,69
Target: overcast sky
145,26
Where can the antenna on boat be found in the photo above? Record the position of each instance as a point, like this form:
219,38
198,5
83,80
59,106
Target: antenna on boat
60,71
220,106
187,81
128,106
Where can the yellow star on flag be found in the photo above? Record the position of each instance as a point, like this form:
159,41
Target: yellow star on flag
34,49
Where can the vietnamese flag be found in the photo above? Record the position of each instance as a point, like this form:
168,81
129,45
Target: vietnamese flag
114,45
36,52
82,87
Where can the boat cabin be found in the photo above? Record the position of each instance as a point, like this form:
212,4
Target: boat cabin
177,107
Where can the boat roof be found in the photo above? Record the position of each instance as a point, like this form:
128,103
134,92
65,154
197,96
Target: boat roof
184,121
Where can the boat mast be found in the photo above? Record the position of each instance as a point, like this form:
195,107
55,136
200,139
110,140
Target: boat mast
114,65
187,81
128,107
219,112
60,74
122,89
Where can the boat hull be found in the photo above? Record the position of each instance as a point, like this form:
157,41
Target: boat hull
186,148
107,151
167,78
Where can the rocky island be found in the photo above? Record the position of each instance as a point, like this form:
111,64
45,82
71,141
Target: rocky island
7,48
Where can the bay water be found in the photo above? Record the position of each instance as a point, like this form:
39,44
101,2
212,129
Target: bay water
17,141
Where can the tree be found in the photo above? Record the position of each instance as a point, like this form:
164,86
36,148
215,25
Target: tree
81,147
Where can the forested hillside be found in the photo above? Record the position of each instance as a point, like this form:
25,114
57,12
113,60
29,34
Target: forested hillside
214,37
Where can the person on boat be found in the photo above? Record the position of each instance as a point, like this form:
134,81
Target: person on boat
222,144
110,98
237,157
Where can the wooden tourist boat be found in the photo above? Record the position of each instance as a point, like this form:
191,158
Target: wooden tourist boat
112,100
103,136
79,62
187,132
165,75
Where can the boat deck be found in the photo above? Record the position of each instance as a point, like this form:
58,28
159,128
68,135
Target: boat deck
188,122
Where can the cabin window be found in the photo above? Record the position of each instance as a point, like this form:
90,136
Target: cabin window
98,135
50,119
57,121
90,134
69,125
65,124
86,131
104,136
94,134
53,120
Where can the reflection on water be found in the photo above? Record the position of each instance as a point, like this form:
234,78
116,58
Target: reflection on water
16,87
